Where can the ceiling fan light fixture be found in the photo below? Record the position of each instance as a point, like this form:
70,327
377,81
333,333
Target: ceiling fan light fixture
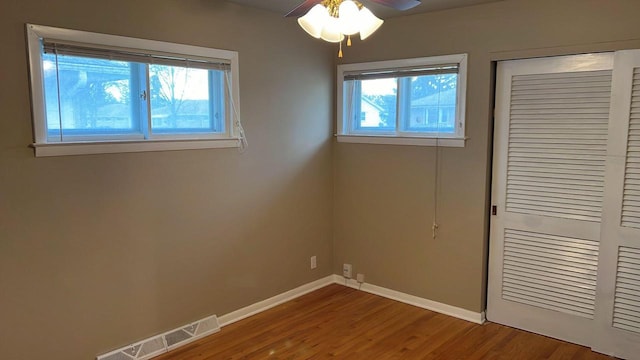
349,16
331,31
369,23
334,20
314,21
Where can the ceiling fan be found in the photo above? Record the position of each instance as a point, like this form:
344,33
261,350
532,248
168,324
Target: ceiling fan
401,5
333,20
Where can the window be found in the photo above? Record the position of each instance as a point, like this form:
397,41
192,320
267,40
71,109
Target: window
97,93
404,102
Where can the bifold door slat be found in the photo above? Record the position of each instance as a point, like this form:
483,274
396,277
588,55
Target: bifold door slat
550,271
569,92
565,268
575,142
555,203
548,302
556,192
631,201
557,200
553,146
565,83
626,313
548,279
558,189
566,76
529,155
579,100
557,172
571,272
567,121
536,236
551,293
584,278
583,182
550,305
577,248
552,258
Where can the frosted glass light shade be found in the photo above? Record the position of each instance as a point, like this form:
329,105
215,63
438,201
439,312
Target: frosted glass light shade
369,23
331,31
349,17
315,20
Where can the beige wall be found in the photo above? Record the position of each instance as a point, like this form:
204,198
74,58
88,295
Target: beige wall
384,201
99,251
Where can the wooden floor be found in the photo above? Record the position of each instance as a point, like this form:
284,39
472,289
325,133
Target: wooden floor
343,323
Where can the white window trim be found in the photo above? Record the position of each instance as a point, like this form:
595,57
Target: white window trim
403,138
111,147
35,35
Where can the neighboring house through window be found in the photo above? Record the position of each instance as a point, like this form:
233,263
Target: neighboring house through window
405,102
371,114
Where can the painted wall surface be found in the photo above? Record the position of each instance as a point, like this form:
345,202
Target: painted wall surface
384,195
99,251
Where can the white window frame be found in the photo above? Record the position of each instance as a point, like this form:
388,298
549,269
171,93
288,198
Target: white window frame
229,139
457,139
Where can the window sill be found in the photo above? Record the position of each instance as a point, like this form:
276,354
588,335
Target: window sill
395,140
110,147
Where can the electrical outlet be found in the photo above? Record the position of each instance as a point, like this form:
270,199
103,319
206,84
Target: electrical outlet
314,264
346,271
360,278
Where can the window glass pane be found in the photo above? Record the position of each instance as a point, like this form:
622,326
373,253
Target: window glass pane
186,100
432,106
86,96
377,105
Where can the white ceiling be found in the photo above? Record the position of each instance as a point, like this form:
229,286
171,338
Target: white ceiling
284,6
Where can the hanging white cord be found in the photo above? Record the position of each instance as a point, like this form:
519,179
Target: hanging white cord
436,185
55,49
350,104
244,144
436,188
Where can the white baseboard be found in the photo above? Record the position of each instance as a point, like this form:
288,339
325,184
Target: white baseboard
263,305
230,318
460,313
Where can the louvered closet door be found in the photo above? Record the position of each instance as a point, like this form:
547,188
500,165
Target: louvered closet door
550,148
619,275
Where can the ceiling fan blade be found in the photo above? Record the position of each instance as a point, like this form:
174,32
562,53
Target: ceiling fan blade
398,4
303,8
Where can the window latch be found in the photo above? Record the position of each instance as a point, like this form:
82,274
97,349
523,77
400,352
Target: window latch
494,210
143,95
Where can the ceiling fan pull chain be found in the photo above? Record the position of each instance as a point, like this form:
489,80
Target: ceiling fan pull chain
340,52
349,40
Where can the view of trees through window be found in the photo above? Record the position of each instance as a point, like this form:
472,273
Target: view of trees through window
181,98
430,106
85,96
83,93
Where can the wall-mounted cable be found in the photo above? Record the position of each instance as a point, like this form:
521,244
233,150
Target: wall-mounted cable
244,144
436,181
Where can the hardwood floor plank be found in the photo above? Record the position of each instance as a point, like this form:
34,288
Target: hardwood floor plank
343,323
